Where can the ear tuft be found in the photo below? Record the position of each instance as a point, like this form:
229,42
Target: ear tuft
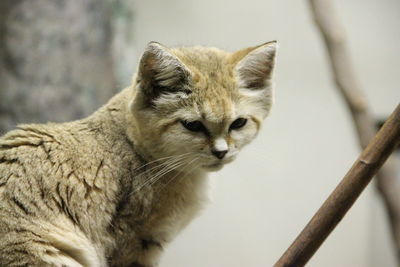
160,71
255,68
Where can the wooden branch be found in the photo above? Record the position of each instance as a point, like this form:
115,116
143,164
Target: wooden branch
343,73
345,194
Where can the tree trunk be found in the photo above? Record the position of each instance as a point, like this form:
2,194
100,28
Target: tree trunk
57,58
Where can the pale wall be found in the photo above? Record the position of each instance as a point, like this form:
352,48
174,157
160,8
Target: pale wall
264,199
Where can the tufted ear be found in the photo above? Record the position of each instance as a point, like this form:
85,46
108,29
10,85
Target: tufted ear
254,66
161,72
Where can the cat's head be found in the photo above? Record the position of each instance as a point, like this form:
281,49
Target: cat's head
201,105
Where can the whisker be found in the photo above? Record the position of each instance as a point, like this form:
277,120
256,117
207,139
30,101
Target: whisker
160,159
168,161
168,167
179,172
162,173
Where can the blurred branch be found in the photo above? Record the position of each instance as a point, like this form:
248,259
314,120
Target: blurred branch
343,73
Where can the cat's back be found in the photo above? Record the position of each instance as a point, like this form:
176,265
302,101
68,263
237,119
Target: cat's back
43,151
46,172
29,152
70,162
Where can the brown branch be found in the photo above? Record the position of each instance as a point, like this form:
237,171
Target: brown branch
343,72
344,195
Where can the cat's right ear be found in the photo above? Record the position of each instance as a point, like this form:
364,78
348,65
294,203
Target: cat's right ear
161,72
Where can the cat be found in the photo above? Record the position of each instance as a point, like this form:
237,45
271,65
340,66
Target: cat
113,189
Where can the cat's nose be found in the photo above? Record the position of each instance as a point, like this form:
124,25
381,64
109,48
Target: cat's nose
220,148
219,153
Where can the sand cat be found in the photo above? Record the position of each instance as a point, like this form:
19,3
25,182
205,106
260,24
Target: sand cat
113,189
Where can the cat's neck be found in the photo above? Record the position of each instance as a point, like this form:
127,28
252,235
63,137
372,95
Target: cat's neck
115,120
118,112
114,112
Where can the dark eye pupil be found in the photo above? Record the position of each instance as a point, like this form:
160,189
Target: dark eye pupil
238,123
194,126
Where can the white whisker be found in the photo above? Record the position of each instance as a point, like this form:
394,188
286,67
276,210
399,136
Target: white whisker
179,172
168,161
159,159
166,167
162,173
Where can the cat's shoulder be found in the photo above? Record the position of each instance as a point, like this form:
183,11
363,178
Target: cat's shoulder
42,144
32,136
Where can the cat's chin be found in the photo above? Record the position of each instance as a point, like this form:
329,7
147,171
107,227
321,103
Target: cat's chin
216,166
213,167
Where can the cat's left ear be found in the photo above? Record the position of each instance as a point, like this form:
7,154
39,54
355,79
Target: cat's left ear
254,66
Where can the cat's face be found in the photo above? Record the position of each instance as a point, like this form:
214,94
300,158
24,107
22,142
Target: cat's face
200,106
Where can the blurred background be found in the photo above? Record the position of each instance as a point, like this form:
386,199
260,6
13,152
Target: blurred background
60,60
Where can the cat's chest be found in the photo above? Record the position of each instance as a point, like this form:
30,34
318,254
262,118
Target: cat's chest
170,208
175,205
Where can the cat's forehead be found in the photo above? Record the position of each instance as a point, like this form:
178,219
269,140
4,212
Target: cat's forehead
214,100
213,82
206,62
200,56
216,110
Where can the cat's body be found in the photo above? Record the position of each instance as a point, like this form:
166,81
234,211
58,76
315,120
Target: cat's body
113,189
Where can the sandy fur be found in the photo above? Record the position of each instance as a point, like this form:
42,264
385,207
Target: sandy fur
114,189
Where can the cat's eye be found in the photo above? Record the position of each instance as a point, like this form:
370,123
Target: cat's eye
238,123
194,126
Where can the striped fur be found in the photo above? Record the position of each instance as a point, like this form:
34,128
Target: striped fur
114,188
